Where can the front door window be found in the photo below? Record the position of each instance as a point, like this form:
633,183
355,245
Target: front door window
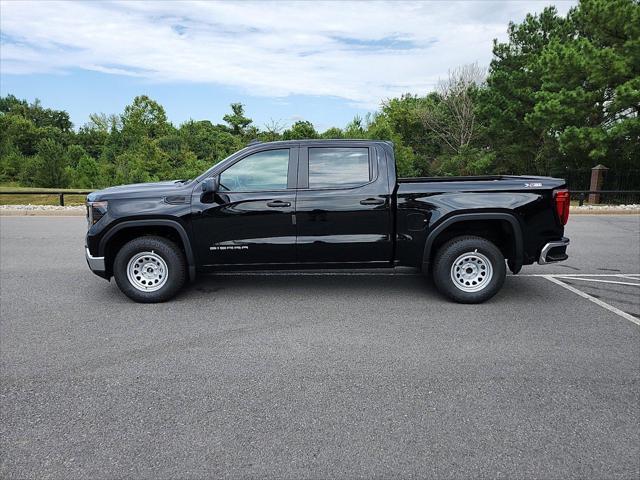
262,171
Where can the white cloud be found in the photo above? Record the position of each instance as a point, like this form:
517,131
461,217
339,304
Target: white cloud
362,52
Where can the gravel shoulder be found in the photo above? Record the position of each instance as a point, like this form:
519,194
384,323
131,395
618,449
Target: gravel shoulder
42,210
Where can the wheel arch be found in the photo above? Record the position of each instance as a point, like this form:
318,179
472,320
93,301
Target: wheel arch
119,234
453,223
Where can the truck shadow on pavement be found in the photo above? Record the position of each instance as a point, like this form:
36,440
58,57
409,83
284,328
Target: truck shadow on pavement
326,287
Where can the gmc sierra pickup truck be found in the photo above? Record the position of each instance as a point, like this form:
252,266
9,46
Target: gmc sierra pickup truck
324,204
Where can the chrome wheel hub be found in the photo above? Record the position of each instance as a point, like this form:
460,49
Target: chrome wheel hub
471,272
147,271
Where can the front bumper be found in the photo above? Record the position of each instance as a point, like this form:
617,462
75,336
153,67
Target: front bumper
96,264
554,252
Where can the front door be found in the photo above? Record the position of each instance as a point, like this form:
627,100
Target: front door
343,206
250,220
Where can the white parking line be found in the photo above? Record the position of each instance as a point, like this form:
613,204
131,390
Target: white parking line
596,280
553,277
632,276
595,300
579,275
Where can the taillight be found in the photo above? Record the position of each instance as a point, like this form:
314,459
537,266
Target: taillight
563,202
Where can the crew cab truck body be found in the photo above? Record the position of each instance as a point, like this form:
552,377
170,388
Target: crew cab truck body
324,204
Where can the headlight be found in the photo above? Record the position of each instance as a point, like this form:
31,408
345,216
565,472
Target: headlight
95,211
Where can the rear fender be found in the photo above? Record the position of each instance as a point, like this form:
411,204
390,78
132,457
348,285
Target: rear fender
515,264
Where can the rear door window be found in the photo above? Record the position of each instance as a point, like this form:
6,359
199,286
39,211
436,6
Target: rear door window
338,167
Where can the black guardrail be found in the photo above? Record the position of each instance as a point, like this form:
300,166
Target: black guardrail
593,196
60,194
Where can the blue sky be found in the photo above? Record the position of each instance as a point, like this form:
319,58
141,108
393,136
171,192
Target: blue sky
324,62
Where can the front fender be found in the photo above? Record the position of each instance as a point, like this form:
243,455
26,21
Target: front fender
156,222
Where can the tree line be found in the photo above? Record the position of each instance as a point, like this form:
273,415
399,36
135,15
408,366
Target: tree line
561,94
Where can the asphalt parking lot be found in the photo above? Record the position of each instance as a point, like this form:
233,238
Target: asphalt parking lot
319,376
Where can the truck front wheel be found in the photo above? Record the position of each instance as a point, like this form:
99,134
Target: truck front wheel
469,269
150,269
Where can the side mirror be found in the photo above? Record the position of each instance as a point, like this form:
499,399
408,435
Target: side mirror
211,185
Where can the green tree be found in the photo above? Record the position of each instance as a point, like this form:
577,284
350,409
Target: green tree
49,166
333,132
300,130
210,143
405,118
144,118
513,80
356,128
86,173
237,120
34,112
144,163
589,97
12,162
380,128
20,133
74,154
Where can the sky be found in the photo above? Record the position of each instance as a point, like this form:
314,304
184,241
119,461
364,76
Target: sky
286,61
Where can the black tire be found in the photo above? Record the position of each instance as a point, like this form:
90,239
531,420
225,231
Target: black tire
488,278
169,253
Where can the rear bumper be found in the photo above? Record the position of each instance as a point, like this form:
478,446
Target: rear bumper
554,252
96,264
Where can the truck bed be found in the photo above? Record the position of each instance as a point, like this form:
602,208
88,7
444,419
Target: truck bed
478,178
484,183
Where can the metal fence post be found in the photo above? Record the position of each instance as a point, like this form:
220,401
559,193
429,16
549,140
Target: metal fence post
597,179
62,199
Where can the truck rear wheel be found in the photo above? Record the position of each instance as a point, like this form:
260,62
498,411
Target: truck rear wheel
469,269
150,269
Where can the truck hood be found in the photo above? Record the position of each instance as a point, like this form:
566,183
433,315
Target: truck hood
138,190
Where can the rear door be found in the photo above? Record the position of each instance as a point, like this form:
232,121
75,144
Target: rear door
343,206
250,220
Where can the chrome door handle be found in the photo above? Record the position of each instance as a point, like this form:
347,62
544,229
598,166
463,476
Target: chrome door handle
278,203
372,201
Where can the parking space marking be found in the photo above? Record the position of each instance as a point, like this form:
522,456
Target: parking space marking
552,277
597,280
632,276
617,311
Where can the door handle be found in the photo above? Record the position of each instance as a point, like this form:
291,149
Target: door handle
278,203
372,201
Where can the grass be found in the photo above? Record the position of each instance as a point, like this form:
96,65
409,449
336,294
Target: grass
43,198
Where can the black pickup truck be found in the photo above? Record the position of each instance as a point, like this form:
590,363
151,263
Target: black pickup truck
324,204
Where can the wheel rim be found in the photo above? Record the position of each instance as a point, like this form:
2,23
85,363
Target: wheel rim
471,272
147,271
